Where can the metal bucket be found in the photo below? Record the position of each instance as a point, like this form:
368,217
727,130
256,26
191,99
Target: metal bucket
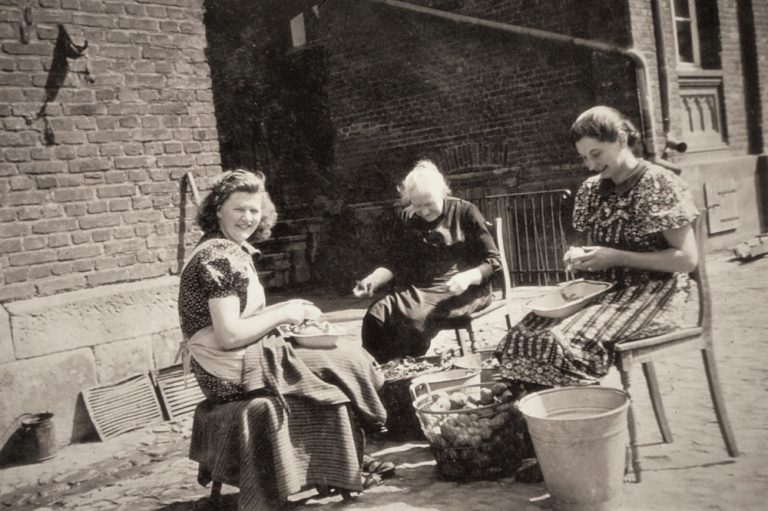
38,438
580,436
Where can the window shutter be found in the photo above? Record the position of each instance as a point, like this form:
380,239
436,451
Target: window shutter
722,205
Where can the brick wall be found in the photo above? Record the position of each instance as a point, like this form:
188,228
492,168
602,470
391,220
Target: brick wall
404,85
89,178
92,218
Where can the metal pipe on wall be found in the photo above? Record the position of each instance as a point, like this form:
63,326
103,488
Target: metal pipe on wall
641,67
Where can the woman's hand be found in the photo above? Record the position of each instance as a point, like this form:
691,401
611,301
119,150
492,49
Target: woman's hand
368,285
365,287
297,311
461,281
591,258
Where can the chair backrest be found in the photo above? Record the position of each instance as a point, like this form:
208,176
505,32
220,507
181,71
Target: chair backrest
498,236
699,275
534,226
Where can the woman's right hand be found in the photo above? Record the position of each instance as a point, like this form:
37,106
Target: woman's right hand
297,311
364,287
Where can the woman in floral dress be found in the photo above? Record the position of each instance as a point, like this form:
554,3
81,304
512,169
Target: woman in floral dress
636,218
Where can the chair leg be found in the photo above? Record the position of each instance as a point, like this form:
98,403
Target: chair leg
462,344
658,406
717,400
627,385
215,496
472,345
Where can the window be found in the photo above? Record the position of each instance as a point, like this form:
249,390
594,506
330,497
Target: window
697,44
686,32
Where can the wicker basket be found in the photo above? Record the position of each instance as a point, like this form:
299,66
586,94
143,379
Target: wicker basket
477,443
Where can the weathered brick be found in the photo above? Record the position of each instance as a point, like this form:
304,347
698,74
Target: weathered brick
29,213
43,167
96,221
61,268
89,164
132,162
120,190
21,183
182,160
78,252
120,204
54,225
34,242
58,240
22,198
100,278
8,246
100,206
58,284
16,291
75,210
39,272
33,257
72,194
14,275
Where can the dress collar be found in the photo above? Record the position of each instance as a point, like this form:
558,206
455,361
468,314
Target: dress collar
247,247
607,186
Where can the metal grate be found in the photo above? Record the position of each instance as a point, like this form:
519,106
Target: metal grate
123,406
179,397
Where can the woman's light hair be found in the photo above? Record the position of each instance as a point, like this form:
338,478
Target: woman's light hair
424,177
230,182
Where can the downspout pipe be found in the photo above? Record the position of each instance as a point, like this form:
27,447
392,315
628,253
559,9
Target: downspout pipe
645,98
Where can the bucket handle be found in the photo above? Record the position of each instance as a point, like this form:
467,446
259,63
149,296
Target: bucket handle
419,389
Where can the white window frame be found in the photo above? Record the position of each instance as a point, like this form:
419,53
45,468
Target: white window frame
694,24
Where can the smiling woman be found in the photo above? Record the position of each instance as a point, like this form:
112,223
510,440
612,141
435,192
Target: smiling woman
636,220
236,351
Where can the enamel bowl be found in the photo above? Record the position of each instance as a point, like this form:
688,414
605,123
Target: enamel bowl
568,298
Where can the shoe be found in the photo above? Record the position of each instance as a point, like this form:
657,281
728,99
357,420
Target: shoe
384,469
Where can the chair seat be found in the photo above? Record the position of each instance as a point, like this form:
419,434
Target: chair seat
677,335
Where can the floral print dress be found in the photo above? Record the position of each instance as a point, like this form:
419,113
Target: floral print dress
631,216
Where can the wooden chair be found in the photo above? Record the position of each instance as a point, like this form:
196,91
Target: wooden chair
499,301
646,351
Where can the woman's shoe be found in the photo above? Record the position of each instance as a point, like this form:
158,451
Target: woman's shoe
384,469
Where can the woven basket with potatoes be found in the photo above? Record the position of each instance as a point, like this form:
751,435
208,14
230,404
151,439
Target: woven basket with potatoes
474,431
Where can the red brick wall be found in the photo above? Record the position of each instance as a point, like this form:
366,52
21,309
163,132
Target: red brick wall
90,193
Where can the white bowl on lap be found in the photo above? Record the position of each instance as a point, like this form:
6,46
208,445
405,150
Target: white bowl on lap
568,298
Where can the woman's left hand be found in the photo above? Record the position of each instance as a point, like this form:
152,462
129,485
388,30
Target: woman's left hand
459,283
595,259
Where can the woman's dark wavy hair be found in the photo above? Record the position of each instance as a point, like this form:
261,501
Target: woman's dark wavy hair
604,124
232,181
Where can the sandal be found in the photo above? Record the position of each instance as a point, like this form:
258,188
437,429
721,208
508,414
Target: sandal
385,469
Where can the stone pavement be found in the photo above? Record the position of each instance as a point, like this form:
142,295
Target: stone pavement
148,469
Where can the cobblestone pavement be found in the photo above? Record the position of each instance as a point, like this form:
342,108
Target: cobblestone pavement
148,469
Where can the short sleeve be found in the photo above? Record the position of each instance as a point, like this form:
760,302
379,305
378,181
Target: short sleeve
665,202
581,204
223,272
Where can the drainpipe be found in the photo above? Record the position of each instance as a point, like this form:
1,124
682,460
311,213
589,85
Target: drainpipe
645,98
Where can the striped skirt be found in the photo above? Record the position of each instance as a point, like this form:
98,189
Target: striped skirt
577,350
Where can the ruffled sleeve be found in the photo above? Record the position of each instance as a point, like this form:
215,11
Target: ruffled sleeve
666,202
583,207
223,271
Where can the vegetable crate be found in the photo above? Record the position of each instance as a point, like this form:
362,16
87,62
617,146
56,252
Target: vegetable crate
474,431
